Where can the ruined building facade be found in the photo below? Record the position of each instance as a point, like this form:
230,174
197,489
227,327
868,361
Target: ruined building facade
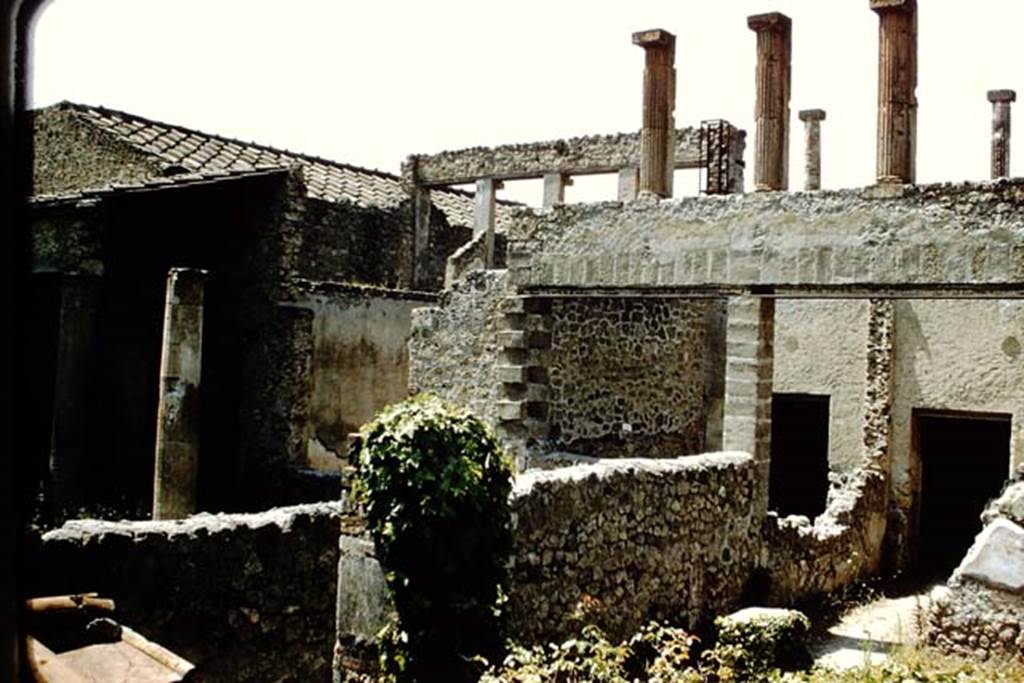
767,395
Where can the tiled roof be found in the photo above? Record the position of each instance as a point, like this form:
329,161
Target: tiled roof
199,153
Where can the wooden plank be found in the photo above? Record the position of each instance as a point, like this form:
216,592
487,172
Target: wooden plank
62,603
46,667
172,661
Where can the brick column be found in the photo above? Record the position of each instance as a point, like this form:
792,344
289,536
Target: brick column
554,188
897,85
771,109
1001,100
750,356
177,425
484,207
812,119
657,136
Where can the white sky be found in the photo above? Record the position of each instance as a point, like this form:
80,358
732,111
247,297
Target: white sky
369,82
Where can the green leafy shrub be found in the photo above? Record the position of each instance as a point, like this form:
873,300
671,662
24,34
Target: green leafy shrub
657,654
434,483
755,642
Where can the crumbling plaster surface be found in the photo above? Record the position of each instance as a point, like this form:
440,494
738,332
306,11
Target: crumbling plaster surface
244,597
820,348
938,234
360,362
628,377
960,356
454,349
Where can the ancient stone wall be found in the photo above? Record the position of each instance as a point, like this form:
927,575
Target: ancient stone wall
805,559
244,597
628,376
589,154
672,539
981,610
454,350
939,235
69,155
341,242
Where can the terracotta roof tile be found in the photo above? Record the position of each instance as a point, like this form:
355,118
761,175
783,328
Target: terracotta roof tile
200,153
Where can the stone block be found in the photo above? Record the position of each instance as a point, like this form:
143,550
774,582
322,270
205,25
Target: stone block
511,374
997,557
512,339
510,411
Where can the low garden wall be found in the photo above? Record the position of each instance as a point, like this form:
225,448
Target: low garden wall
245,597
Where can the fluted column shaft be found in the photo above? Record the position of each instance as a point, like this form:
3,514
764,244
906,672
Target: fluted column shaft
657,135
771,108
897,86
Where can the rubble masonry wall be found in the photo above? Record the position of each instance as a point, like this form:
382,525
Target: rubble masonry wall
243,596
628,376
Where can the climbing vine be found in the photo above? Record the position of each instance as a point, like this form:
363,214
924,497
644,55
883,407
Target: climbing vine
434,483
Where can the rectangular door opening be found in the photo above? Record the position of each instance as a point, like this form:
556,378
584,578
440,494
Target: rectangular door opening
965,461
798,483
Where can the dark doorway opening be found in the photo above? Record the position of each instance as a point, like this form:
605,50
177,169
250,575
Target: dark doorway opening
964,461
798,483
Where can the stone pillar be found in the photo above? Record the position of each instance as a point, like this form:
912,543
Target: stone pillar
897,86
75,393
771,109
484,207
1001,100
657,136
177,425
629,181
812,119
750,357
554,189
421,239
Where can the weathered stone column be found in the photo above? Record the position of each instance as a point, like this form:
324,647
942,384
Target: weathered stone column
177,425
484,207
749,363
812,119
897,86
421,238
554,189
657,136
771,109
1001,100
629,181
